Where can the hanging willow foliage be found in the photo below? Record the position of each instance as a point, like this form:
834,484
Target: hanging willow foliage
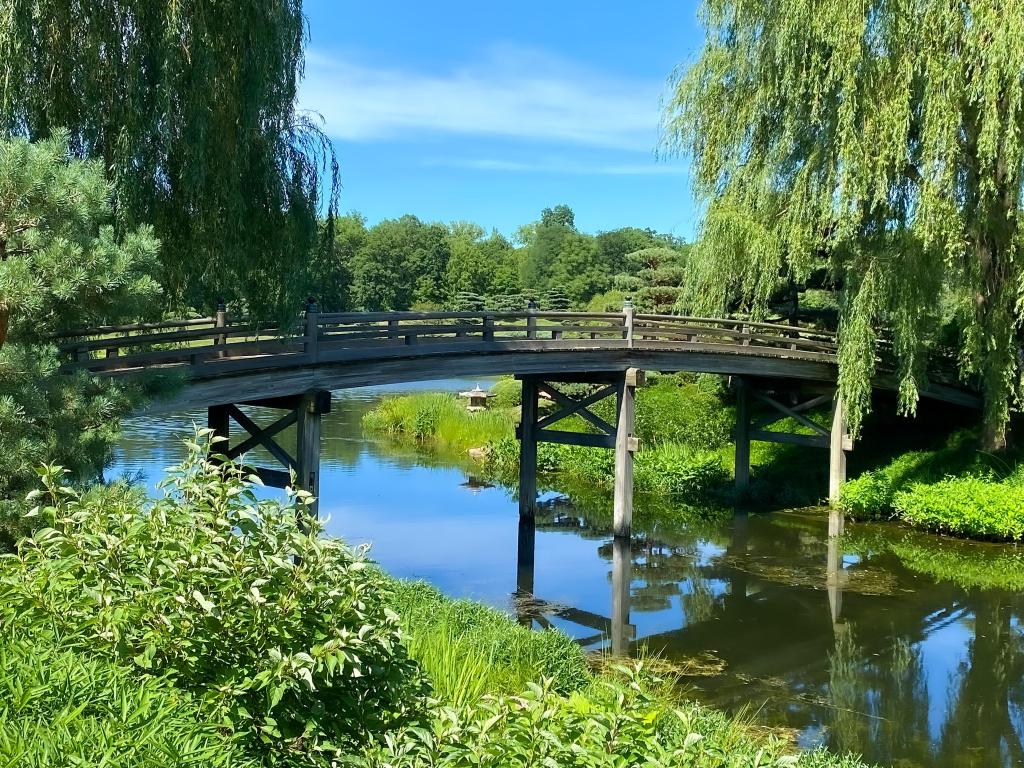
191,107
882,139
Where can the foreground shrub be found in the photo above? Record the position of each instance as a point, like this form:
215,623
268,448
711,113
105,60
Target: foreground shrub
280,633
468,649
965,506
612,724
62,708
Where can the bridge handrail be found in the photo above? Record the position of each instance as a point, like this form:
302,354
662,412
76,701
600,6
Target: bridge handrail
323,336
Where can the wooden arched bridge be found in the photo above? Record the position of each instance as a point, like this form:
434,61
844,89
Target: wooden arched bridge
228,363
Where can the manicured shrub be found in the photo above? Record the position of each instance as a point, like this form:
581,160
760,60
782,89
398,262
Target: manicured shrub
965,506
280,632
62,708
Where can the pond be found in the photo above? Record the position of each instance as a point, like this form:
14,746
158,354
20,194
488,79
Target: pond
902,647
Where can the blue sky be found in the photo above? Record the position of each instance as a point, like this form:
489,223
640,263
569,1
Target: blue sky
489,112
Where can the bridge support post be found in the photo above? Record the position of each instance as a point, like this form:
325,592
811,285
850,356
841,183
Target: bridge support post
311,409
837,453
742,434
625,446
218,419
528,450
618,436
525,562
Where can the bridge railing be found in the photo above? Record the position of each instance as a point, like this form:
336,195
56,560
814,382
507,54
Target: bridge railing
222,344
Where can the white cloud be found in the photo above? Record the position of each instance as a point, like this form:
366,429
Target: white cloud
561,167
512,92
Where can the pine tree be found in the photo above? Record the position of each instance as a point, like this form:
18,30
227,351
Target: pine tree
61,267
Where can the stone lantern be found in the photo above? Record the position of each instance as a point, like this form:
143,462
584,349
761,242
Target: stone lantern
477,398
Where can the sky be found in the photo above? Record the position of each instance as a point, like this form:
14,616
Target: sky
489,112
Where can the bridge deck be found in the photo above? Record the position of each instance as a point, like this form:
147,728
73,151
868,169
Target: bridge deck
229,361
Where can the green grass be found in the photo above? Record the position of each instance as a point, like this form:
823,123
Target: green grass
467,648
63,708
440,419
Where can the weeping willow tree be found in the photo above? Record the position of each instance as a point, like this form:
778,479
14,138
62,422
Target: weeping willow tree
190,106
881,139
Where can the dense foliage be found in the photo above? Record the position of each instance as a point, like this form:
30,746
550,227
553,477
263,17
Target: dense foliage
406,263
58,707
190,110
613,723
280,633
953,489
880,142
61,266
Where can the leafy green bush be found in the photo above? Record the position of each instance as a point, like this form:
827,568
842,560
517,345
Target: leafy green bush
453,638
965,506
868,496
280,632
687,412
611,724
62,708
673,469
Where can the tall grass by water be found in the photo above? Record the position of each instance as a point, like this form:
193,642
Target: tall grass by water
468,649
440,418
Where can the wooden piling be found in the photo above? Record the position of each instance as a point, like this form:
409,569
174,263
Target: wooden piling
837,454
625,445
742,460
311,409
622,573
528,450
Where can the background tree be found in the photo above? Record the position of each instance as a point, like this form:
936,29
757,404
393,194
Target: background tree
61,267
330,276
191,109
883,140
402,262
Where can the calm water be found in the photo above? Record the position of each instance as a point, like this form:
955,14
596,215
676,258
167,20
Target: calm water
882,644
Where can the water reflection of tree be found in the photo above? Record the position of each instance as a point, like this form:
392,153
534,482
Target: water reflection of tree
879,702
979,719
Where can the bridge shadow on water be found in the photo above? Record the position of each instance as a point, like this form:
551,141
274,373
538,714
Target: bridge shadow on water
904,647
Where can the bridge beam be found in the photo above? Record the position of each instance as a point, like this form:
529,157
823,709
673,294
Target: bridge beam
833,437
304,411
534,429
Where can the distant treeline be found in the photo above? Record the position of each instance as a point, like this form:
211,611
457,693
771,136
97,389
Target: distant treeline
406,263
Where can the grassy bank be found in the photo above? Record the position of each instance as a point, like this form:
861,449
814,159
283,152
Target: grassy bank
955,489
208,628
683,424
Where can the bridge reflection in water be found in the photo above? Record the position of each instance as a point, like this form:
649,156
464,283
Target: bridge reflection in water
885,661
